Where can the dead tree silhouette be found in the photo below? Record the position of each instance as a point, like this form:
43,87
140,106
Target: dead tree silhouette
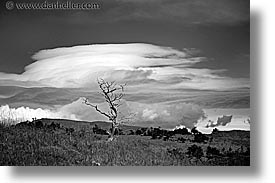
112,93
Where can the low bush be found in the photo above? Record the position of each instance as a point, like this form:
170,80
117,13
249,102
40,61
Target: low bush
195,151
200,138
212,152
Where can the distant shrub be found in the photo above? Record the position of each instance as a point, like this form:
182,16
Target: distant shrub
165,138
97,130
148,131
138,132
212,151
156,136
38,124
195,151
119,132
143,131
54,126
237,157
215,130
237,152
200,138
33,124
195,131
181,140
158,133
131,132
181,131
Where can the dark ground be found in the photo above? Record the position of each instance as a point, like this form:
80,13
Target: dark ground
50,142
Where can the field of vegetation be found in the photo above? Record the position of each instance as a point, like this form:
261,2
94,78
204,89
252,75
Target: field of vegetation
49,142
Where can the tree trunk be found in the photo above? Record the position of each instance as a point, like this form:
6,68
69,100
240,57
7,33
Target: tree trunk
113,130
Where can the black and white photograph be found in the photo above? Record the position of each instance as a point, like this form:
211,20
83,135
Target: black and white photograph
125,83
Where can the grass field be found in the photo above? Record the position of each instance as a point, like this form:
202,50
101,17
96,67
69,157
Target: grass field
75,144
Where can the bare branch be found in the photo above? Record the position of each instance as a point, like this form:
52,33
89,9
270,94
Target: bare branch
96,108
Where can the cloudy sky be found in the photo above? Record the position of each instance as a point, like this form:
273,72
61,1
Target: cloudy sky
185,62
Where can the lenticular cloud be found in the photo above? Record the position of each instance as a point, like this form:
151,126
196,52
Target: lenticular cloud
137,64
77,66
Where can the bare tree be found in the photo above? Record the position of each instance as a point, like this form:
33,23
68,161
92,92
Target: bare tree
113,94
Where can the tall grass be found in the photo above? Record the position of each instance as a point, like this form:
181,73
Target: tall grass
27,144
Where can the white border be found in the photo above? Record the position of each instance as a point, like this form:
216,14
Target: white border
263,158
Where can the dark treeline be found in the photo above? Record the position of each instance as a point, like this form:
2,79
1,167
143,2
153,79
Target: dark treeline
158,133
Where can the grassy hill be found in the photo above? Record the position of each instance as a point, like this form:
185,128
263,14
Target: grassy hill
73,143
85,124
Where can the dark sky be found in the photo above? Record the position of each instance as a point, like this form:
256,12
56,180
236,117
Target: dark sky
217,29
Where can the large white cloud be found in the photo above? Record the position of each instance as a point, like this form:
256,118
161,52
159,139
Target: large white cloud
166,115
15,115
159,114
142,66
